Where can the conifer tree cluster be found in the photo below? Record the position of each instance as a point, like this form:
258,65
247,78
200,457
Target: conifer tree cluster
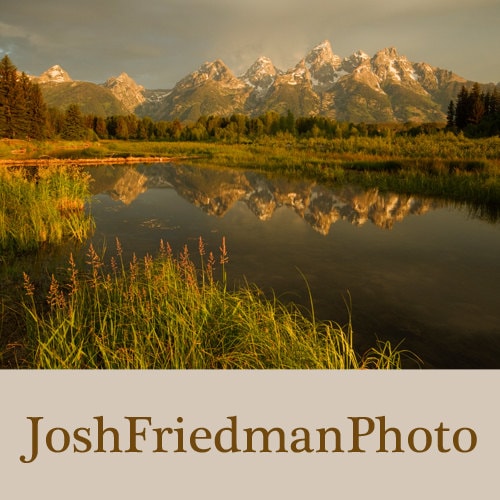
475,111
23,113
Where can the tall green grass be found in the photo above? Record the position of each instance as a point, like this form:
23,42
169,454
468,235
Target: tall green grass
42,205
442,145
167,312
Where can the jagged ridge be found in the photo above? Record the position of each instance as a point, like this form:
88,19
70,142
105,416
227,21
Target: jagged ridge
382,88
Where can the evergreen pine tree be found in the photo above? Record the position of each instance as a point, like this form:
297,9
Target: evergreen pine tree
122,131
8,98
100,127
22,108
37,111
495,102
73,127
494,116
487,104
55,122
462,109
450,116
476,106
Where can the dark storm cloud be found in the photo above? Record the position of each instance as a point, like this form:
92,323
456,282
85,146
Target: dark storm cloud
159,41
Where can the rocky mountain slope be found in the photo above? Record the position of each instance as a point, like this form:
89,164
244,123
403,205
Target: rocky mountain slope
59,90
124,88
380,88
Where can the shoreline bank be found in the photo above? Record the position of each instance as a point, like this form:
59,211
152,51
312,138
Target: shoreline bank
116,160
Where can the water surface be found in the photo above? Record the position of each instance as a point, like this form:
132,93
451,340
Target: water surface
421,271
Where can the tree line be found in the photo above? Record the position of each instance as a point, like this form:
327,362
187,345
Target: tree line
24,115
475,112
71,124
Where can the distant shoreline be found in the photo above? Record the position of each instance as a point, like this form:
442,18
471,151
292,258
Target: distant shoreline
34,162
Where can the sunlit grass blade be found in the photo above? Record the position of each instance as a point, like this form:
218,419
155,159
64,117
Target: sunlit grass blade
164,313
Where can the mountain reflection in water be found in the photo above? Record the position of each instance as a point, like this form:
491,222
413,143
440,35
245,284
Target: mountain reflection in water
216,191
430,281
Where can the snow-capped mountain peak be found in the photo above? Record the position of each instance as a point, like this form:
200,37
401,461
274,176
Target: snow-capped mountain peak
261,74
323,65
55,74
300,74
214,71
389,66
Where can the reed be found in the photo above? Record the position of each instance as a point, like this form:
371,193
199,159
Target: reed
167,312
42,205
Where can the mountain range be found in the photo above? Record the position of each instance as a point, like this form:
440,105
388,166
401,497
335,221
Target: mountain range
385,87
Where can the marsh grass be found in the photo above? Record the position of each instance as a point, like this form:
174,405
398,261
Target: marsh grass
443,165
42,205
274,149
167,312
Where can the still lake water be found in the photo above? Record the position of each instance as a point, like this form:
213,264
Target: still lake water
420,271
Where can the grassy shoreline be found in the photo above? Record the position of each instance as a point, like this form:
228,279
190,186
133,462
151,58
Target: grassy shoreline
42,206
44,162
168,313
277,149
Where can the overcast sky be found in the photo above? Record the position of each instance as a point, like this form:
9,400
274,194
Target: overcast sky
158,42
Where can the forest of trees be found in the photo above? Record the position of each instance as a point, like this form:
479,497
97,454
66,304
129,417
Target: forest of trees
475,112
24,115
234,129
